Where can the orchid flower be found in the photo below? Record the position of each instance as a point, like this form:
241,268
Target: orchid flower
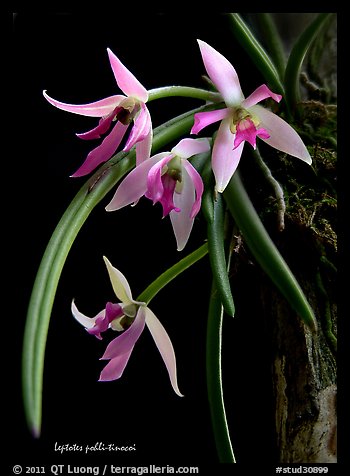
168,178
129,316
119,108
242,120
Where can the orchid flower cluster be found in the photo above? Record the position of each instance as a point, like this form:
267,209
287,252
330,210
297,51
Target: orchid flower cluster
170,179
192,174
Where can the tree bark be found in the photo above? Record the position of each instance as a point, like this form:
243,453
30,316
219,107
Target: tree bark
304,385
304,374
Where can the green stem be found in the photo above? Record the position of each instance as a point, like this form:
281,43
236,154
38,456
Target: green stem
44,289
264,250
183,91
255,50
148,294
214,379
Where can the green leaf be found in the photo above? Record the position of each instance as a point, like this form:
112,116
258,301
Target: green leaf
265,251
272,39
214,379
257,53
214,212
296,59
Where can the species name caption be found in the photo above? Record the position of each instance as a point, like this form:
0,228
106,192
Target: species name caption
99,446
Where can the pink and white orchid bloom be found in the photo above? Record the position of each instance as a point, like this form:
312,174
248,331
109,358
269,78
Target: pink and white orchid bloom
119,108
129,316
168,178
242,120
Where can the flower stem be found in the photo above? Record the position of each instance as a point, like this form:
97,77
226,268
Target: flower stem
184,91
149,293
214,379
49,272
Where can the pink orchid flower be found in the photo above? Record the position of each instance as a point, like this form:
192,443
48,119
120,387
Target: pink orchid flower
168,178
129,316
242,120
120,109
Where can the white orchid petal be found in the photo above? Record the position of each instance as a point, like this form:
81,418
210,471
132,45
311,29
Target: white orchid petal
165,347
119,283
282,136
87,322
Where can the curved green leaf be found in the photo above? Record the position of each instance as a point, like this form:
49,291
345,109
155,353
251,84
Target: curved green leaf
296,58
214,211
214,379
273,41
264,250
255,50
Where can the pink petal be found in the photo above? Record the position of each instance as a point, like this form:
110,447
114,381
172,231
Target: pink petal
261,93
103,126
134,186
115,368
222,73
282,136
204,119
141,128
164,346
94,109
143,148
198,186
124,343
182,221
246,131
126,80
188,147
225,159
155,187
104,151
112,311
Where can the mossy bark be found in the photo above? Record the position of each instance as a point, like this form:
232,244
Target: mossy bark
303,371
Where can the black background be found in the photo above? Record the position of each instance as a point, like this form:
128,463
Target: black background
66,54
